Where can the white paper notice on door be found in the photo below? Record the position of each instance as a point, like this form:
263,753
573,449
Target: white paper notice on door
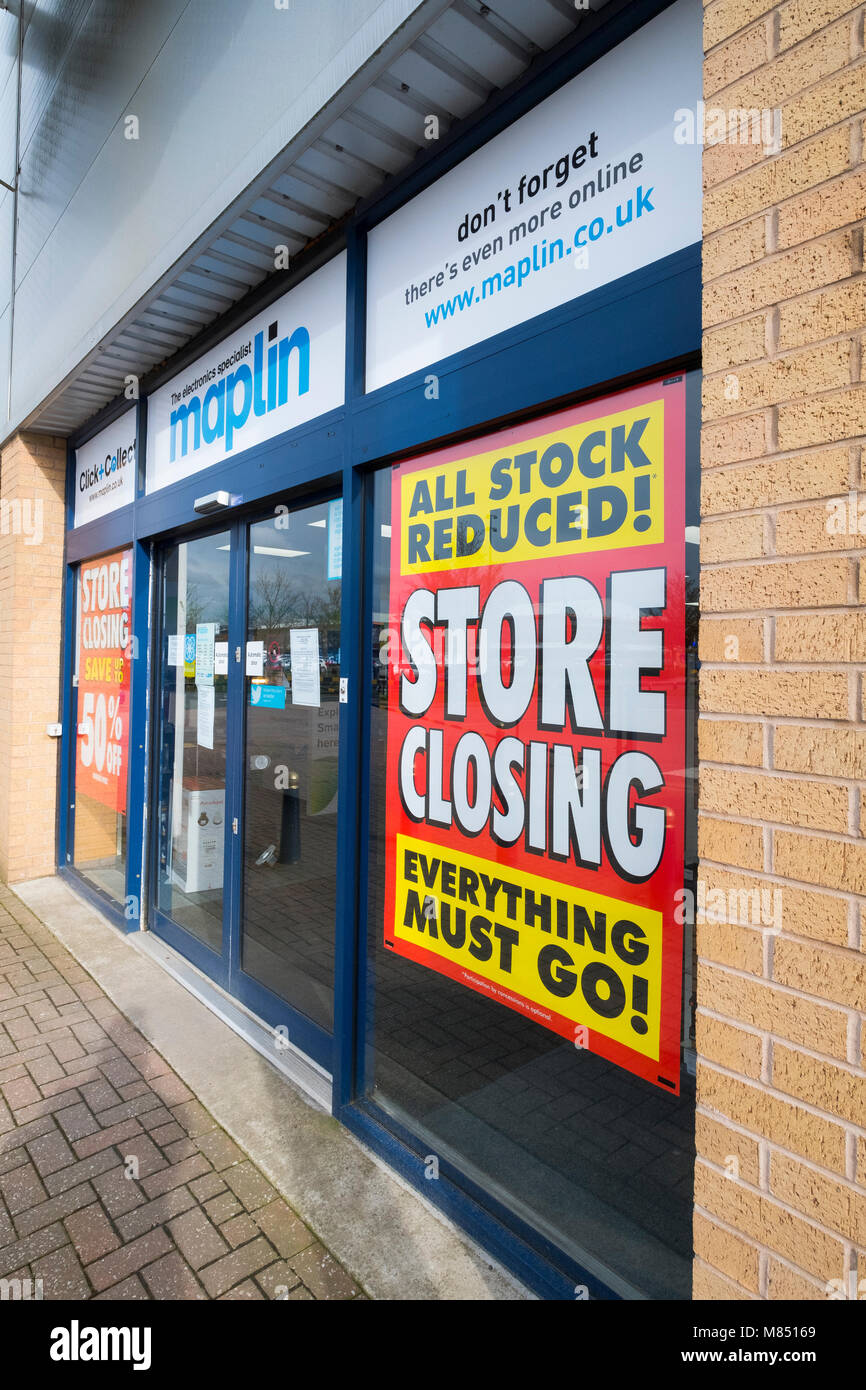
204,717
175,650
255,658
205,634
304,647
221,659
335,539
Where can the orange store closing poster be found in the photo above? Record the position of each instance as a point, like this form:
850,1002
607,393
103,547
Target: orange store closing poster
103,679
536,721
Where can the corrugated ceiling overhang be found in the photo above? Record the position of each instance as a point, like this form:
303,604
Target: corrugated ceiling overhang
467,53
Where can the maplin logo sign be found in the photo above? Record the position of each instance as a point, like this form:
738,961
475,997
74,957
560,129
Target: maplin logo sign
227,402
284,366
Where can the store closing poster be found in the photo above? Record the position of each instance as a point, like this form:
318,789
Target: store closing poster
103,679
536,721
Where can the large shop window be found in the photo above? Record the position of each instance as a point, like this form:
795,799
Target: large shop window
532,770
102,681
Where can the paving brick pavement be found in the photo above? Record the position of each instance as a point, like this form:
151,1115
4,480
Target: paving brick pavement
115,1182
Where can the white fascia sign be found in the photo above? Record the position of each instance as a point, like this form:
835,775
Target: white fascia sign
105,470
284,367
593,183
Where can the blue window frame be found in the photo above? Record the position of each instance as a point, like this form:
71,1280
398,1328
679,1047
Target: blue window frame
640,325
87,542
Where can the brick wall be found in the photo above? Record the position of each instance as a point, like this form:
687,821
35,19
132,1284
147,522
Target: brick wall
32,521
780,1190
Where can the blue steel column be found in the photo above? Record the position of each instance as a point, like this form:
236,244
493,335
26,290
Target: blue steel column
349,847
139,704
235,755
68,703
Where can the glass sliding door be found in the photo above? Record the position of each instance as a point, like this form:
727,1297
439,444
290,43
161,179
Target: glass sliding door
191,739
245,798
292,732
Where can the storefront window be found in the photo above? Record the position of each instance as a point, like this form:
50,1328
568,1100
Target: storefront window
102,680
530,953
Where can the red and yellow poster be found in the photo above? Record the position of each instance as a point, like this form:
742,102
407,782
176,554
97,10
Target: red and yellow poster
103,679
536,721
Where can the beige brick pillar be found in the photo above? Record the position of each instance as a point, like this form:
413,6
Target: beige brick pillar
32,524
780,1191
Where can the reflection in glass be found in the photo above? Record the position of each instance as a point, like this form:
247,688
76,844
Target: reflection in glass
191,759
292,734
593,1157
